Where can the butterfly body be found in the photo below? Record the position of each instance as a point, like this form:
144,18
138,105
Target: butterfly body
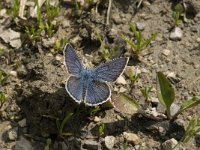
90,85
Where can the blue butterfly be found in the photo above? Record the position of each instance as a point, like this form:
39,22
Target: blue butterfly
91,85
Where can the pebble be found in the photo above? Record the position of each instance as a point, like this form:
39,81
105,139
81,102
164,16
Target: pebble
174,109
2,12
140,26
92,145
109,142
116,18
176,34
12,134
59,57
121,80
22,123
97,119
169,144
65,23
21,71
154,100
13,73
171,75
131,137
198,39
166,52
12,37
122,90
23,144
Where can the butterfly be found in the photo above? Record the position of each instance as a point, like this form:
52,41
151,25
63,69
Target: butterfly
91,85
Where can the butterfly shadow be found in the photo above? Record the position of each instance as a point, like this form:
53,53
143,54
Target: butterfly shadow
42,110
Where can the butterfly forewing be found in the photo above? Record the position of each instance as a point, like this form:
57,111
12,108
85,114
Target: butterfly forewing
73,64
97,93
110,71
74,87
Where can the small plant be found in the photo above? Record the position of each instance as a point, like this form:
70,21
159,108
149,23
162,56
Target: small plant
51,11
101,130
2,98
139,44
177,13
13,11
48,143
106,53
59,44
166,96
1,51
32,34
133,77
61,125
192,129
94,111
3,78
39,16
78,9
145,92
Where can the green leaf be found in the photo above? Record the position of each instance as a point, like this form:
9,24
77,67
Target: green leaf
192,129
2,97
165,91
190,103
144,44
135,32
133,46
67,117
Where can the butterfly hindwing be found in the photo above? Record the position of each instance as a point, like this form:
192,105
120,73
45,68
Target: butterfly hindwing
111,70
74,87
72,62
97,93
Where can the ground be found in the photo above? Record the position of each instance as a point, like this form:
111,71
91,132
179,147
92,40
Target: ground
36,99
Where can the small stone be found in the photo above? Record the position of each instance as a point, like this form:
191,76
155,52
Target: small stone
59,57
115,89
65,23
154,100
121,80
169,144
122,90
132,138
171,75
23,144
12,134
12,37
48,42
194,29
176,34
174,108
166,52
198,39
140,26
92,145
13,73
21,71
116,18
180,122
2,12
97,119
109,141
63,146
22,123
